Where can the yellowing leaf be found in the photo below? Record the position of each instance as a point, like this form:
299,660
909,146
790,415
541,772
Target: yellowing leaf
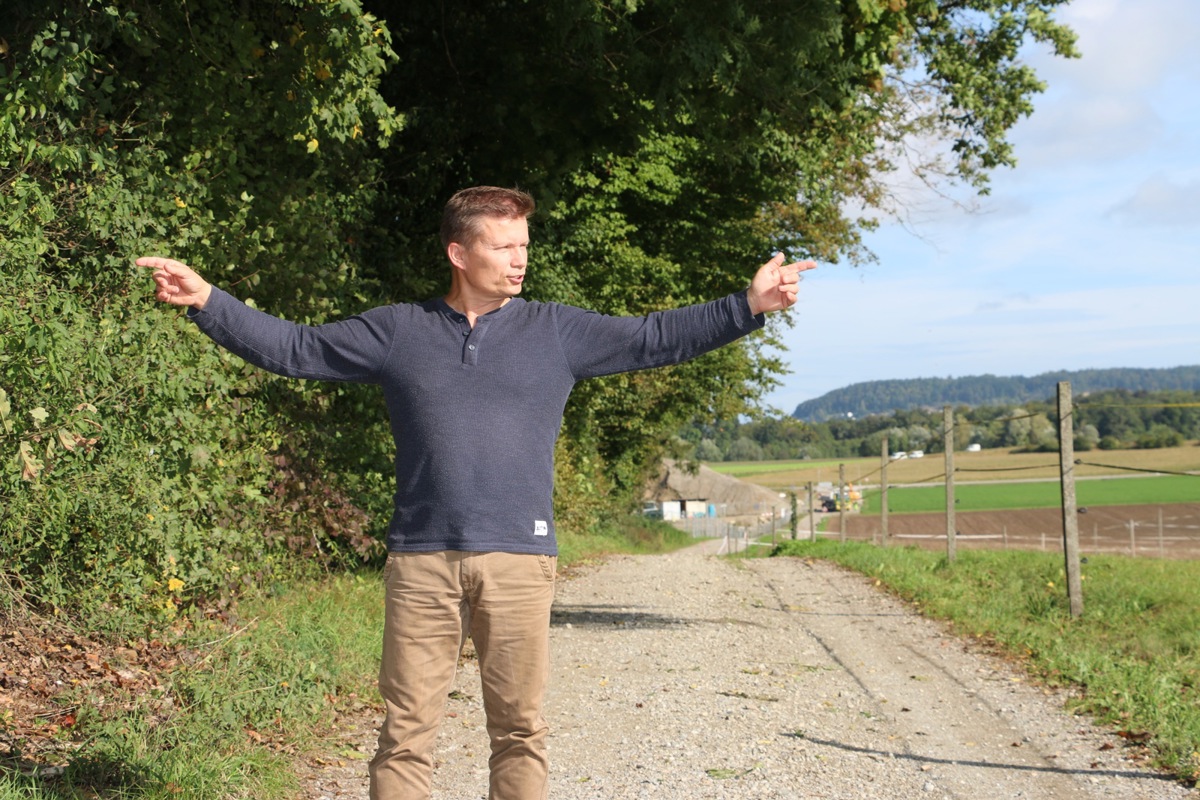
30,465
313,144
179,203
174,585
39,415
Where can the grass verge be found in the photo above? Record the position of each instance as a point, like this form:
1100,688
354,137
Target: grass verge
228,720
1134,653
632,534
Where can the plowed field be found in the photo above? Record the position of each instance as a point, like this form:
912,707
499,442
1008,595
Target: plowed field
1169,531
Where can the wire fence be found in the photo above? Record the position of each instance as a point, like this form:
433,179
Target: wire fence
1157,531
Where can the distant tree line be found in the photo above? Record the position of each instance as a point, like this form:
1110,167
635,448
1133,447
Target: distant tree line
1117,419
883,397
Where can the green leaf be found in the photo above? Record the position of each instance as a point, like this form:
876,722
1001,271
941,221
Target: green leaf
5,412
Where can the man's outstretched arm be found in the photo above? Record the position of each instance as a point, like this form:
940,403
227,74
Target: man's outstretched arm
178,284
775,285
352,349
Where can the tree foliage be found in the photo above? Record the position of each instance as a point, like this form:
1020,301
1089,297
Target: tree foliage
300,153
1110,420
140,465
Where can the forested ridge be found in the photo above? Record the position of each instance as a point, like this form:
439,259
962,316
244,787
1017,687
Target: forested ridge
1107,420
299,154
885,396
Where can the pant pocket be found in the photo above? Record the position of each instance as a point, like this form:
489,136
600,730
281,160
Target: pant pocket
549,565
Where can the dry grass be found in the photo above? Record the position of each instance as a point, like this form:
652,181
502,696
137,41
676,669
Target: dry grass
986,465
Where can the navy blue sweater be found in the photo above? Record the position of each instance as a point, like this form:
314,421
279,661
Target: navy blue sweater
474,411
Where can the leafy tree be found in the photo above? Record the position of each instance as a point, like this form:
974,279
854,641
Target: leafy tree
707,450
292,152
1159,435
143,470
745,449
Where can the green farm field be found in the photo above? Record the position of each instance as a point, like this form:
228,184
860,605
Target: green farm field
986,465
1141,490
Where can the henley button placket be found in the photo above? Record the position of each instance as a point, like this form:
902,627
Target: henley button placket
470,346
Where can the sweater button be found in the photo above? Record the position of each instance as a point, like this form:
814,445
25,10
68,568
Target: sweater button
470,347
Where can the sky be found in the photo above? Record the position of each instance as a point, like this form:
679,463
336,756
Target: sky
1085,255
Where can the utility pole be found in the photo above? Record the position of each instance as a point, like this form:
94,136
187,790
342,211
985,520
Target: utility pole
951,536
1066,458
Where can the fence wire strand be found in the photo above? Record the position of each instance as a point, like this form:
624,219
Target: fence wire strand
1137,469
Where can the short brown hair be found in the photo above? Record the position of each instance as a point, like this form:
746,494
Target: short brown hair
460,219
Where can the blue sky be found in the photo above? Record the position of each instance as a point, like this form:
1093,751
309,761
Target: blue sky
1085,255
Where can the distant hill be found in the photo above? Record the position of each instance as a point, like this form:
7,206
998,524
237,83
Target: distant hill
881,397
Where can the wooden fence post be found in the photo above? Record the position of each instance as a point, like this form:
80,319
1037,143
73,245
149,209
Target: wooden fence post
842,501
1066,452
795,513
883,499
1162,553
948,426
812,524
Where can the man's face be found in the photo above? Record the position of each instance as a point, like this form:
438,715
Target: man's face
493,265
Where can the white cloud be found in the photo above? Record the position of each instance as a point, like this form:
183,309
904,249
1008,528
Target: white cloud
1159,202
1101,107
1127,46
1072,128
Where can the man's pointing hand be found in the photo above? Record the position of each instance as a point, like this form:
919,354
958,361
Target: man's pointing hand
775,285
178,284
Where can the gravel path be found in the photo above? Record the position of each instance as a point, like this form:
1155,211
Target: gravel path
689,676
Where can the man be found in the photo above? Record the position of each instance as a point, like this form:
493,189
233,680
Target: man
475,384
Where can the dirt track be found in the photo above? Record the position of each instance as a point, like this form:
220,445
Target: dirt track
688,676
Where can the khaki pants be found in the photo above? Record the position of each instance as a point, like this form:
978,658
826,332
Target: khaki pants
433,601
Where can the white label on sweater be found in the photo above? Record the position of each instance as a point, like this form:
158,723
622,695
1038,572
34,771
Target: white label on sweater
540,528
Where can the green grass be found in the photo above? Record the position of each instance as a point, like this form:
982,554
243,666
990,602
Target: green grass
1041,494
1135,652
275,676
739,469
634,534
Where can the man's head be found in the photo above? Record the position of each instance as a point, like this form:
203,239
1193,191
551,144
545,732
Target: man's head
464,211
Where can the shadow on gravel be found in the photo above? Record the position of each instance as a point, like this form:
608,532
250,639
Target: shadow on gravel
960,762
612,616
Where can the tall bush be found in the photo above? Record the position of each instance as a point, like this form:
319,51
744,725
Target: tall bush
140,468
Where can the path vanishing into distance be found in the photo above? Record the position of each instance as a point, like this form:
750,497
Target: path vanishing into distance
687,676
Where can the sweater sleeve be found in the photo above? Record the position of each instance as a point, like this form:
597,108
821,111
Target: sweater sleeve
353,349
597,344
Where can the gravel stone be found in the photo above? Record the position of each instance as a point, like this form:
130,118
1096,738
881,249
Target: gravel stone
689,676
